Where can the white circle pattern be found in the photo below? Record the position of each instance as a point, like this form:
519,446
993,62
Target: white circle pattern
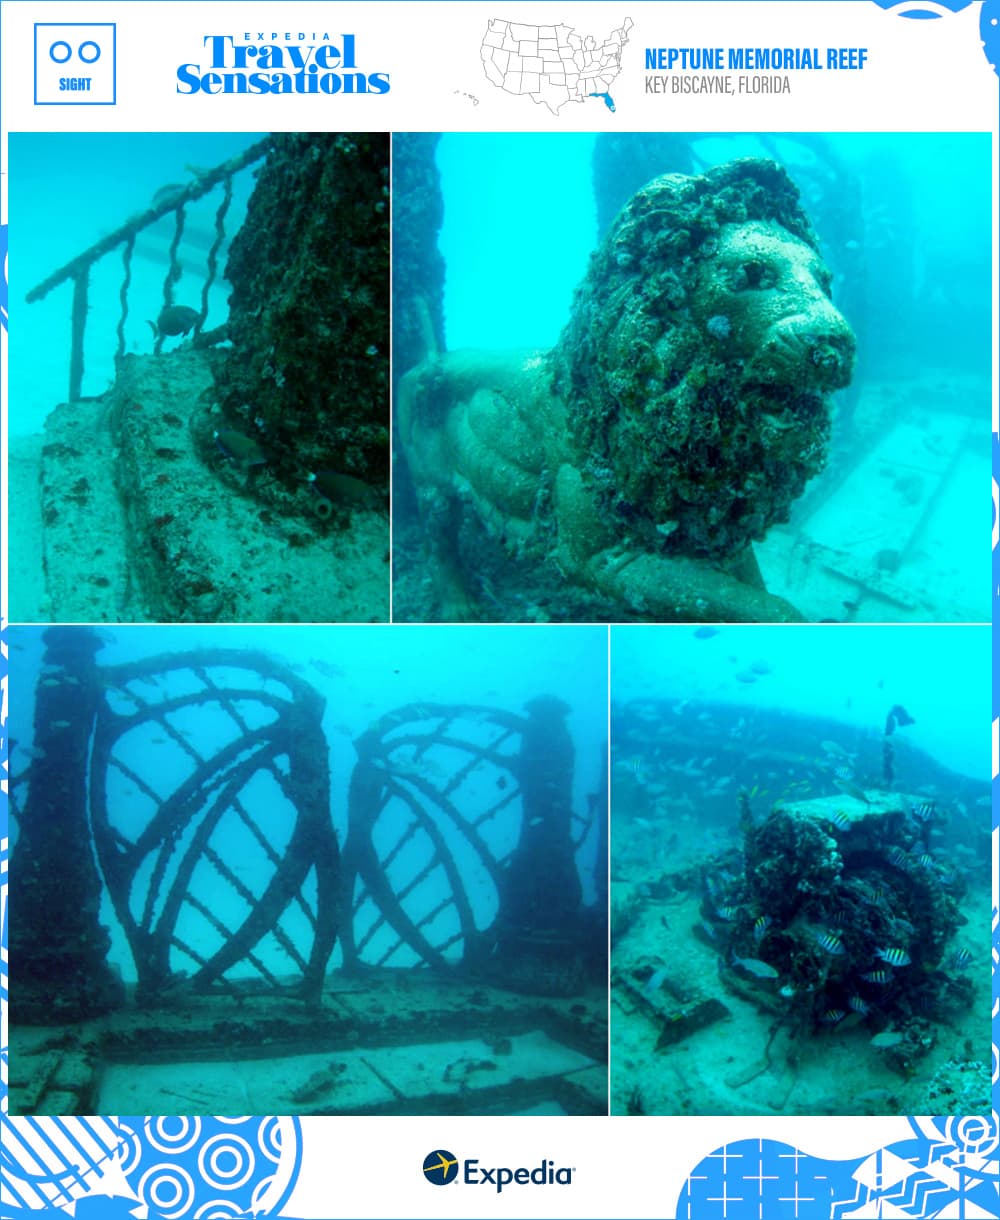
226,1146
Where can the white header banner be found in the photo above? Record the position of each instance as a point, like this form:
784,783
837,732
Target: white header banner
483,67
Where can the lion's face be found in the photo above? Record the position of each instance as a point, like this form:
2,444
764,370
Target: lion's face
764,299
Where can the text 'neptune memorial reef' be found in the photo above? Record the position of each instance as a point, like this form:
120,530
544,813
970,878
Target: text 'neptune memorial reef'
627,472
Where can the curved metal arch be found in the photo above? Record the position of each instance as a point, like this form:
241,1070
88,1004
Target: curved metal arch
184,822
396,771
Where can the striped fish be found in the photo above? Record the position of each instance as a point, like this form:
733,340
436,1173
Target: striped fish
833,1015
829,942
840,819
923,812
760,927
899,857
879,977
875,895
857,1004
961,959
894,956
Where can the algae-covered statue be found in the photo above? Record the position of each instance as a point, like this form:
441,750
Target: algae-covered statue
678,417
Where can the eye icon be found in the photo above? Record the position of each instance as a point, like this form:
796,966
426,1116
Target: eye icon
88,52
440,1167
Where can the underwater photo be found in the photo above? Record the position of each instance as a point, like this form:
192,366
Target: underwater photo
801,862
199,377
308,871
683,377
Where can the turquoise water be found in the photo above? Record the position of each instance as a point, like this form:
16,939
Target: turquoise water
66,192
519,226
364,675
847,676
905,217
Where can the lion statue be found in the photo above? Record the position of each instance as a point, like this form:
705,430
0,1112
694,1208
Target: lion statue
626,473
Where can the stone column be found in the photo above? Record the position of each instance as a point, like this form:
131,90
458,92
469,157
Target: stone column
58,947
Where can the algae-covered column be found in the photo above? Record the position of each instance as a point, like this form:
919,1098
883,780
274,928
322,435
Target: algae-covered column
539,924
58,947
417,263
308,374
597,914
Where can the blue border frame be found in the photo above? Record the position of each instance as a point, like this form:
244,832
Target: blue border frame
939,1151
38,25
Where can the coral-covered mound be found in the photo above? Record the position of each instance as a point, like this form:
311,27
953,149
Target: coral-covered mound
851,912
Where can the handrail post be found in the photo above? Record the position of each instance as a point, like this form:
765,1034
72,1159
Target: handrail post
81,281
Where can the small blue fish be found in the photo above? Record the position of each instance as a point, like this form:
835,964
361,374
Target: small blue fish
753,965
894,956
857,1004
655,981
243,449
705,633
879,977
829,942
923,812
887,1038
851,788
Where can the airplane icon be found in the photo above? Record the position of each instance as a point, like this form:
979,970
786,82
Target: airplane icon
442,1165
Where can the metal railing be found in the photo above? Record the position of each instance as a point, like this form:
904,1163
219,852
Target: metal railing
78,269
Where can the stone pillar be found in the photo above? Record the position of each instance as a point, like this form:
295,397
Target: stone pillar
58,948
308,375
540,924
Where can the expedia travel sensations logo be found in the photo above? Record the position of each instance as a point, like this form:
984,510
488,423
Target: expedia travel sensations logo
280,63
441,1167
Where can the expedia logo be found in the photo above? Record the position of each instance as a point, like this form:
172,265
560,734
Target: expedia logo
442,1167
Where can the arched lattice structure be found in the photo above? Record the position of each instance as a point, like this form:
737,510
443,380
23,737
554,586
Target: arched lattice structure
210,810
193,789
453,816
